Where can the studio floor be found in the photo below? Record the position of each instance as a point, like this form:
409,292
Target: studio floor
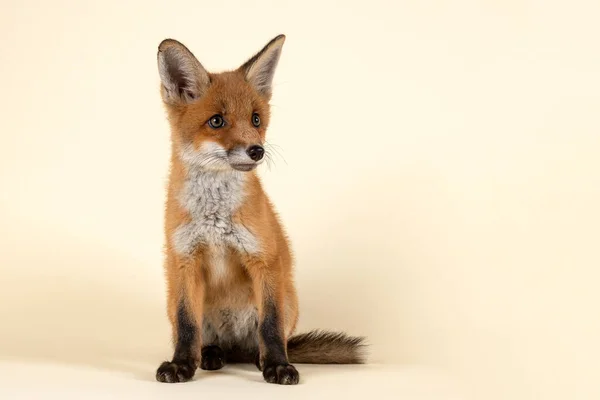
27,380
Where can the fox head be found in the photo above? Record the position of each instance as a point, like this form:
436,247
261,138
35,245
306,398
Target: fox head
218,120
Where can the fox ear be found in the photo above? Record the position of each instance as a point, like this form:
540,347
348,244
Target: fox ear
182,76
260,69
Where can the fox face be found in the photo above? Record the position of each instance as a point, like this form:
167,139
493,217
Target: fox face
219,120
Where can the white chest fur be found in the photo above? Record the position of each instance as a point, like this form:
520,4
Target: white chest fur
211,198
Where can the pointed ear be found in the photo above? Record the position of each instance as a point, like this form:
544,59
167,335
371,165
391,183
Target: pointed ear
182,76
260,69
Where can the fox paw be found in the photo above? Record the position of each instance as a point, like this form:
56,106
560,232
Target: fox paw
172,372
283,374
213,358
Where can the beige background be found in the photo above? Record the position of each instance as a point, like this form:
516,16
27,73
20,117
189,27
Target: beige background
439,178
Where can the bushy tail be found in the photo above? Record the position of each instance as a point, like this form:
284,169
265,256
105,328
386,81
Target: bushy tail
320,347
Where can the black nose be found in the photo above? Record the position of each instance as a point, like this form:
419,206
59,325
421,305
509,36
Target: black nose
255,152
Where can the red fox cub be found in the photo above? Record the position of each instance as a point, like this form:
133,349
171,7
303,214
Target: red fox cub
231,295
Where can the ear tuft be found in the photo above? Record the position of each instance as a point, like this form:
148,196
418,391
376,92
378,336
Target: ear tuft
260,69
182,76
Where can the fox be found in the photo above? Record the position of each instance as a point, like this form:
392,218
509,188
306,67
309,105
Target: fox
231,296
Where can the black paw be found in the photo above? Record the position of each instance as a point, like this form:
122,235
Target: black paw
171,372
284,374
213,358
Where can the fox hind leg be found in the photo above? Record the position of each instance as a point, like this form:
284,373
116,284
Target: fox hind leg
213,358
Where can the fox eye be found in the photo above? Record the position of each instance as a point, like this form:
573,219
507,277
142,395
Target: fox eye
216,121
255,120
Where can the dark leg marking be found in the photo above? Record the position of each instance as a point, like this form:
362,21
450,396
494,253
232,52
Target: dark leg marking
257,362
183,366
276,368
213,358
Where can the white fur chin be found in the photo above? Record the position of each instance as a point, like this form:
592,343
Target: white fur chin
210,156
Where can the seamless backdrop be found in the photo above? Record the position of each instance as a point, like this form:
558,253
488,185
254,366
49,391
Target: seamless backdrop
437,172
